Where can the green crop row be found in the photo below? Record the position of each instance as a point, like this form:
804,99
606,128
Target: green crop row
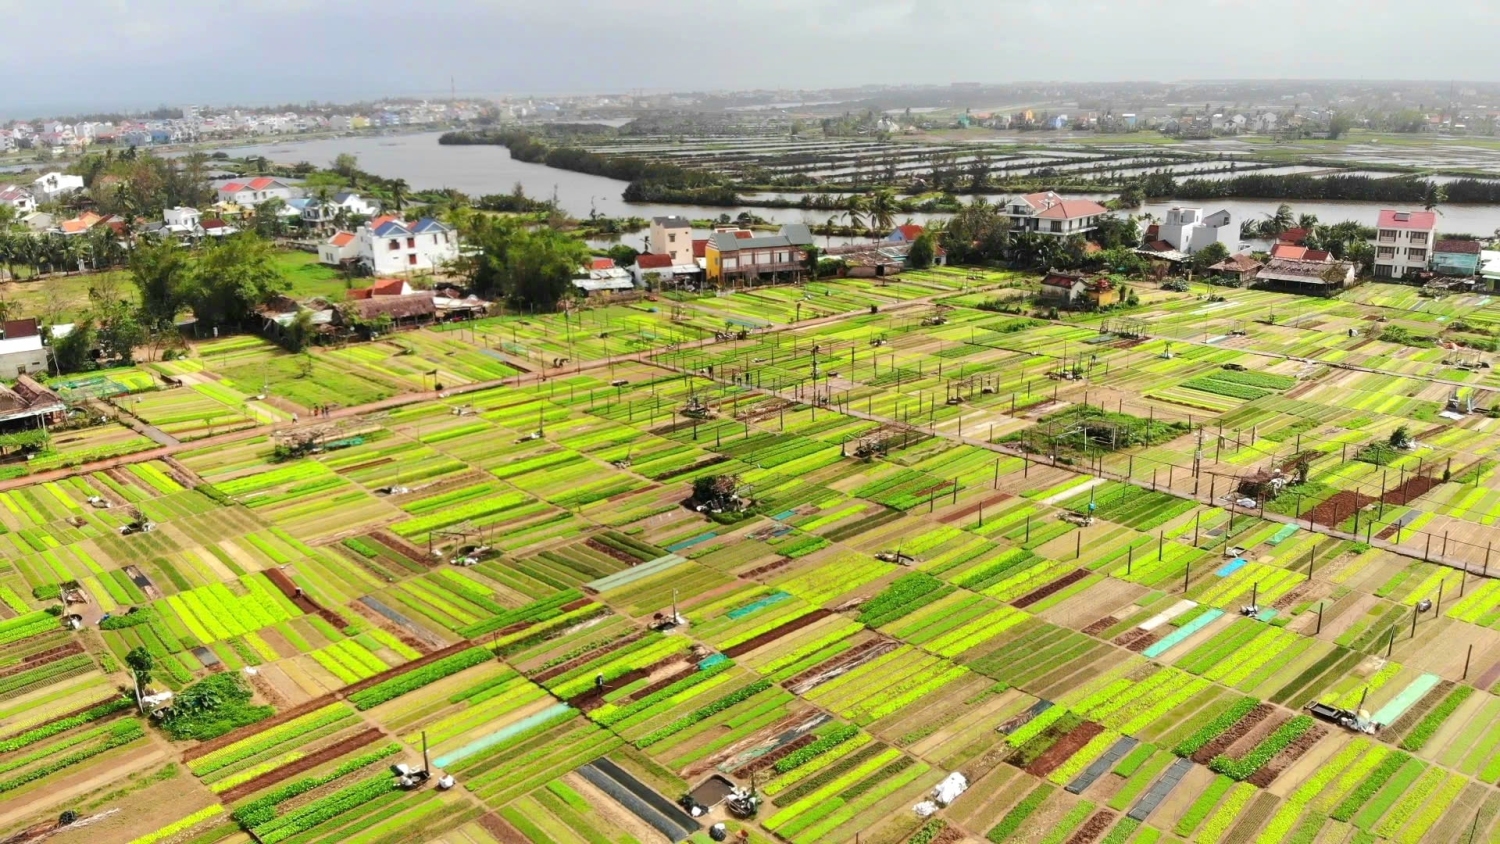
1018,814
828,741
607,716
262,810
1371,784
737,696
62,725
1190,745
536,611
1242,769
245,748
419,677
904,595
119,735
1428,726
324,810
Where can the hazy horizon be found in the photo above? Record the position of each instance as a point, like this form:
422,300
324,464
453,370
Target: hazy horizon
85,55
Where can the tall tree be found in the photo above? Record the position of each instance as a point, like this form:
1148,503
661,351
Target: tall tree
232,278
163,274
883,210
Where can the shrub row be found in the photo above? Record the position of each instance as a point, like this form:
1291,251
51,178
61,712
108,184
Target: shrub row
903,595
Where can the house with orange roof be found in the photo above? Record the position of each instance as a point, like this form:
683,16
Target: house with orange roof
906,234
249,193
340,248
1049,214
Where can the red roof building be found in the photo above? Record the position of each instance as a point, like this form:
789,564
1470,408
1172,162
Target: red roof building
602,264
907,233
700,248
1422,221
1294,236
652,261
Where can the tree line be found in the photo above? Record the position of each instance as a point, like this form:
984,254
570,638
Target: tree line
649,181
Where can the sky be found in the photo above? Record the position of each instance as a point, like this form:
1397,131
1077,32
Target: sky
102,54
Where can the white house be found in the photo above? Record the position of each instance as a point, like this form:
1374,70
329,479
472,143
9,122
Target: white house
255,191
672,236
318,211
1188,230
20,355
1404,242
391,245
182,220
55,186
18,198
343,246
1050,214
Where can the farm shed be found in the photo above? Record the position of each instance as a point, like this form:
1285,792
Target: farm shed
1312,277
413,309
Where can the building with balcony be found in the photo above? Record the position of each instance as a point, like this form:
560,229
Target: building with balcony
390,245
1404,243
1050,214
1190,231
744,256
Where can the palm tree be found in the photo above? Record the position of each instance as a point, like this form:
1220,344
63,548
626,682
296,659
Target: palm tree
1275,224
399,187
854,210
1307,221
1435,195
834,221
883,208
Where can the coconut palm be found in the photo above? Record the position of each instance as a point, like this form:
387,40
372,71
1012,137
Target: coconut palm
883,208
854,210
399,187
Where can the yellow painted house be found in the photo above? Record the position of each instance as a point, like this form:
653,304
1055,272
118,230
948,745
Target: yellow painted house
738,255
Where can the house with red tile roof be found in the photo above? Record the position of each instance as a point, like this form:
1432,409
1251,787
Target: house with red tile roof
1293,252
1404,243
1050,214
249,193
905,234
342,247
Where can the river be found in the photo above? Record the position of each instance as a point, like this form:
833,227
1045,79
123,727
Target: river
476,170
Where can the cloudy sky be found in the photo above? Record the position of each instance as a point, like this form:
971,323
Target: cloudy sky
139,53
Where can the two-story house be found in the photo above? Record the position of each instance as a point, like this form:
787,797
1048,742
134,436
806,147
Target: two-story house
18,198
182,220
672,236
318,212
391,245
736,255
248,194
55,186
1404,242
1188,230
1050,214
